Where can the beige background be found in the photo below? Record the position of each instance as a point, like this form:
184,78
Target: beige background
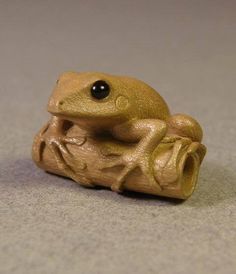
184,49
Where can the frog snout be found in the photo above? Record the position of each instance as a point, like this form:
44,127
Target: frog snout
55,106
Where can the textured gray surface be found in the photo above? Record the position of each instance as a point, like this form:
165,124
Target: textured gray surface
186,50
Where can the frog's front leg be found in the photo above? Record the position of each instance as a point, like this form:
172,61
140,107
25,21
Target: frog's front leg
148,133
53,135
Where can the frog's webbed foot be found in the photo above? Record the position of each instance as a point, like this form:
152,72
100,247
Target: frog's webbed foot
66,161
131,161
169,173
56,142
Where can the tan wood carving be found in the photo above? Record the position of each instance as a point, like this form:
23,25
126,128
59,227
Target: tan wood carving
118,132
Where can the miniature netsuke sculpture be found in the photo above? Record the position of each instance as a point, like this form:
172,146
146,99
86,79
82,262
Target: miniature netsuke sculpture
118,132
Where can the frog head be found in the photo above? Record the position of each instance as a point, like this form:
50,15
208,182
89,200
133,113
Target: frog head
92,97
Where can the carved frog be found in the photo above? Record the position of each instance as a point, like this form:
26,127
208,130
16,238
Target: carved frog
124,110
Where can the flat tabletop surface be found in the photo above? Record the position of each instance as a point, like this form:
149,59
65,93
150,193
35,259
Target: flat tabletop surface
186,51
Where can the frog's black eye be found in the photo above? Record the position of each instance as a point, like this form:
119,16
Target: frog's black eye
100,89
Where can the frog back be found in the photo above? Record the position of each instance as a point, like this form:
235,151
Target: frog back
146,103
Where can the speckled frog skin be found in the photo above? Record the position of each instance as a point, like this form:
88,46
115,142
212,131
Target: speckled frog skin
127,110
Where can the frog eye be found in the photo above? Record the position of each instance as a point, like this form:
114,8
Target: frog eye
100,89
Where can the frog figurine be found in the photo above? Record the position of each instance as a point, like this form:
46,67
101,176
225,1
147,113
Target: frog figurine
117,132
